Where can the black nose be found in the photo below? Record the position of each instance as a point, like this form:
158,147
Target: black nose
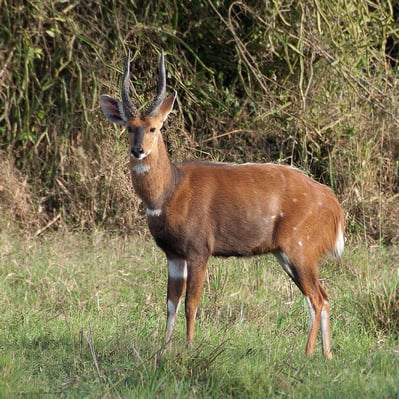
136,151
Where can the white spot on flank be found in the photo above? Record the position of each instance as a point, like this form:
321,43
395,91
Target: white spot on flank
300,243
177,269
282,214
273,217
294,200
294,228
154,212
141,168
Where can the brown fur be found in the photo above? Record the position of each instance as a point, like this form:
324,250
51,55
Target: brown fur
200,209
213,206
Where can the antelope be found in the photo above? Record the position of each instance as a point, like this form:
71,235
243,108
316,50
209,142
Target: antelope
196,210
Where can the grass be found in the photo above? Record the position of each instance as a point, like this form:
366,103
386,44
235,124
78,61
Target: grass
83,316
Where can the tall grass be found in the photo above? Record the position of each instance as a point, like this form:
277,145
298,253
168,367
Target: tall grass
83,315
306,83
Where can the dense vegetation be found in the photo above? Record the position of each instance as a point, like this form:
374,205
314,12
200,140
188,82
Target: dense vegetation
308,83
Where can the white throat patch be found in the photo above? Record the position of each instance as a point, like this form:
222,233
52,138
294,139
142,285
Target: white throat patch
154,212
141,168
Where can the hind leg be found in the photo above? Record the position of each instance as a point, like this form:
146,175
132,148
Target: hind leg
315,306
325,325
305,277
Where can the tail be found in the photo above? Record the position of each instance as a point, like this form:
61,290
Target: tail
339,243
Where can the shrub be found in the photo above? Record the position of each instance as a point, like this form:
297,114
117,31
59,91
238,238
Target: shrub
311,84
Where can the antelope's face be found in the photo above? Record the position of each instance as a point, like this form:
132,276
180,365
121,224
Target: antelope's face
144,127
143,132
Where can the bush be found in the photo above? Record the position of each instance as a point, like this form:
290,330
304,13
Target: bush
312,84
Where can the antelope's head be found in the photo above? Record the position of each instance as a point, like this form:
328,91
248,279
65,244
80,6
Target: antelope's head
143,126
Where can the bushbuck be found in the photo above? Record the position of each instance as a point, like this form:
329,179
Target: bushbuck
198,209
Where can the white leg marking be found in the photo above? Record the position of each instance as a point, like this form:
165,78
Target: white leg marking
311,312
177,269
325,331
172,311
323,321
154,212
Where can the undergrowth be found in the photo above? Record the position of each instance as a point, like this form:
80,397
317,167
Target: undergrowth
311,84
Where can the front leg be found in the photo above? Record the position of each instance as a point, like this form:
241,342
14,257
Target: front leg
177,277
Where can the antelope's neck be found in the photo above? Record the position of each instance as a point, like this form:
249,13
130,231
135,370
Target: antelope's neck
153,178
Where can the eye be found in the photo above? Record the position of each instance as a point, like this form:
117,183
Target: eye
152,130
129,129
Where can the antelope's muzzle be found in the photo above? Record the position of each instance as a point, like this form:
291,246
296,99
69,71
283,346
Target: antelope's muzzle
137,150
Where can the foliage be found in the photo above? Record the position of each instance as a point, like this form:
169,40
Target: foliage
312,84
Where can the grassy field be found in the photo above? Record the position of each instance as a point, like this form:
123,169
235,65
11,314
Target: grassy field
82,315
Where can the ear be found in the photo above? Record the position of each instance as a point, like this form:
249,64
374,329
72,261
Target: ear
167,106
113,110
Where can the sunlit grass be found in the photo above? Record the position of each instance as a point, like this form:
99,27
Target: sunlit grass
84,315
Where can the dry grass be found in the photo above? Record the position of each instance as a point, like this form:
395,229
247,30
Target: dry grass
17,200
94,188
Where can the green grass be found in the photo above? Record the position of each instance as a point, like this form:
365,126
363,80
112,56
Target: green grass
83,315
